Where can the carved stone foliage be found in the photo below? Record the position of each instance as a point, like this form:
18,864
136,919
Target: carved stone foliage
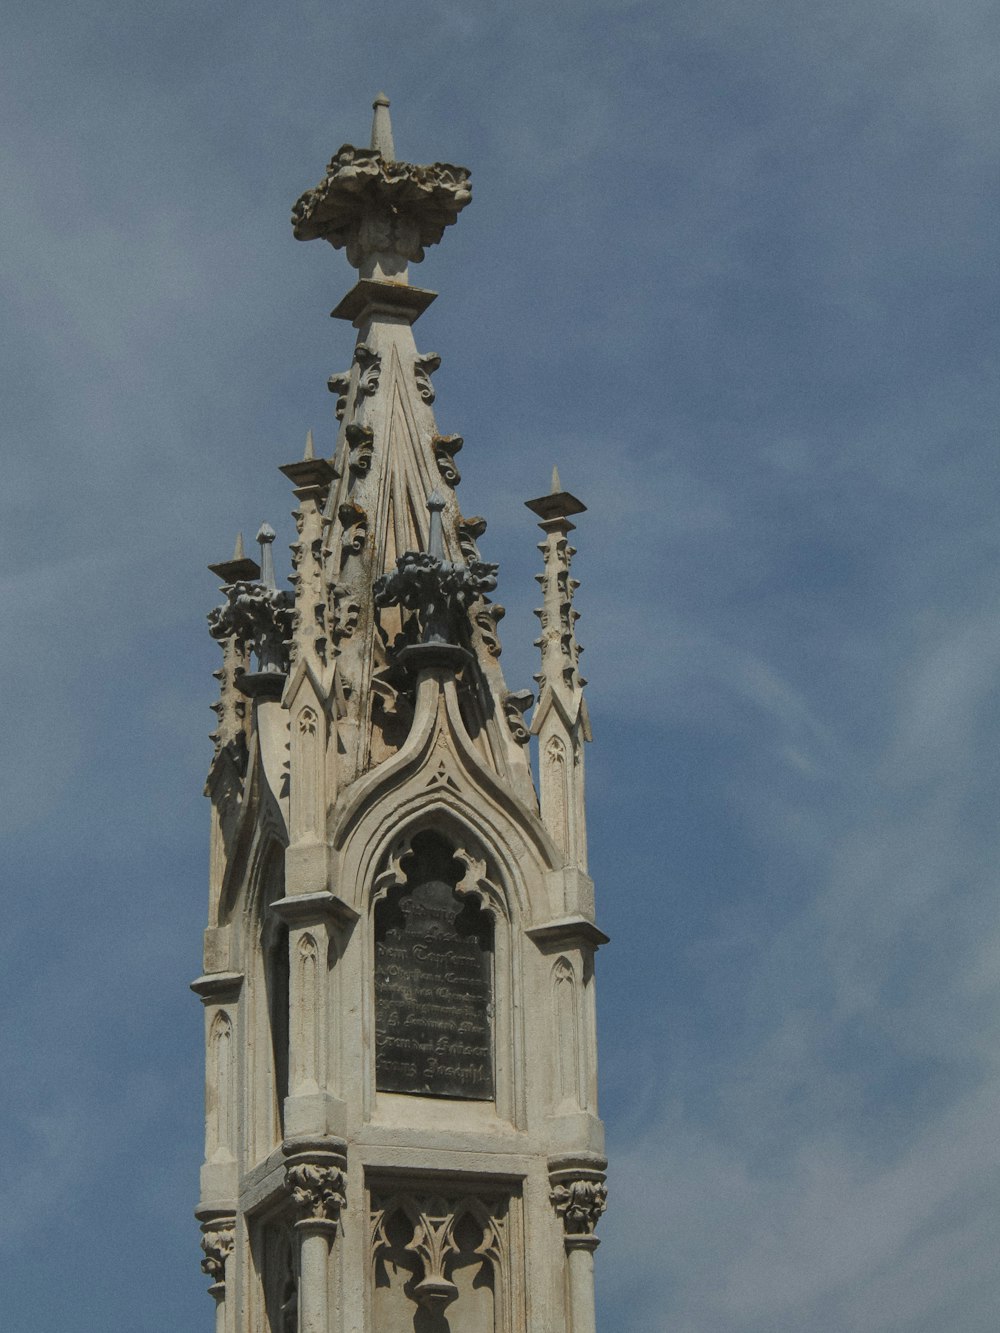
487,618
317,1192
369,205
441,1244
370,365
346,610
260,617
355,524
515,705
580,1201
423,368
217,1244
360,442
469,531
437,591
445,447
340,385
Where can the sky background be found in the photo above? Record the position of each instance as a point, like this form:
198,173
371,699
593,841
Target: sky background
731,264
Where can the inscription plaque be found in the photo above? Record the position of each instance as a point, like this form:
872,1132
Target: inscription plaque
433,994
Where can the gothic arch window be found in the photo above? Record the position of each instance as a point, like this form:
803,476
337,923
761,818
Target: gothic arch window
434,980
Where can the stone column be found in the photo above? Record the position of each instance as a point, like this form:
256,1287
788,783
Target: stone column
316,1181
217,1239
579,1196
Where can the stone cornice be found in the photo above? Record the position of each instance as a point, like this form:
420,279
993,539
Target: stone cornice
218,987
300,909
568,929
371,297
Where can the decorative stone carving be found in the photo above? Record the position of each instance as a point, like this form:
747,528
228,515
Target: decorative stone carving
515,705
423,368
360,442
469,531
346,610
340,385
370,365
580,1203
487,619
445,447
437,591
217,1244
370,205
442,1234
259,616
355,522
318,1194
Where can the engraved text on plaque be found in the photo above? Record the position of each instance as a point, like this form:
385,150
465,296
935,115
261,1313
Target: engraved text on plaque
433,994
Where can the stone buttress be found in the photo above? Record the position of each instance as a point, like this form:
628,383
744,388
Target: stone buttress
401,1119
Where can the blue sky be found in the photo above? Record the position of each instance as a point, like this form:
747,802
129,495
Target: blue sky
733,267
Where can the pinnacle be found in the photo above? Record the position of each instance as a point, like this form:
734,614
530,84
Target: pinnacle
556,485
310,448
266,537
435,538
382,129
238,552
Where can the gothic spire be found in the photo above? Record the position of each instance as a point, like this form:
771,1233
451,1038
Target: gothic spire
395,482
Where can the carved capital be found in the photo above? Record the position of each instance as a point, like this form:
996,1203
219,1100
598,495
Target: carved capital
579,1196
217,1242
318,1193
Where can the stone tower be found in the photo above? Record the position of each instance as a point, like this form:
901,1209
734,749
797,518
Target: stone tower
401,1120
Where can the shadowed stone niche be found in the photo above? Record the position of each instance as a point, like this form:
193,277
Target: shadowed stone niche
433,981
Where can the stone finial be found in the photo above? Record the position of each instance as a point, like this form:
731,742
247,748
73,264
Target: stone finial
384,212
310,449
438,591
266,538
382,129
435,537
